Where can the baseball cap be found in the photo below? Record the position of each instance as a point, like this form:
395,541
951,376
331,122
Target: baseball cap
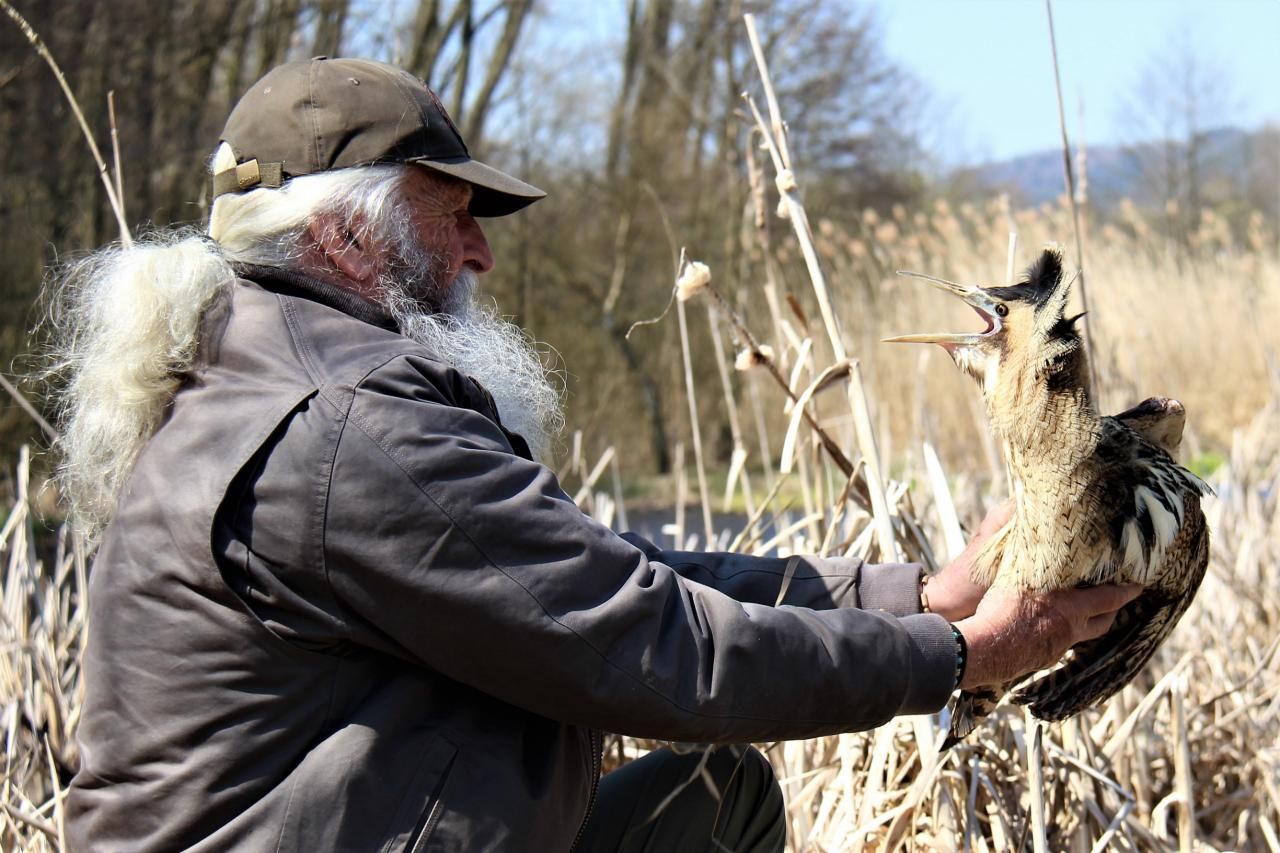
320,114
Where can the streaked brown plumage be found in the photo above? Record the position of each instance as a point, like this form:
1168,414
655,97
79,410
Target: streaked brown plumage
1098,499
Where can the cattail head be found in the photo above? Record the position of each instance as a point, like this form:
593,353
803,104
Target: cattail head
695,277
757,357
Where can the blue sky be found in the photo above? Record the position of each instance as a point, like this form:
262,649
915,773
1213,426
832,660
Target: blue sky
988,65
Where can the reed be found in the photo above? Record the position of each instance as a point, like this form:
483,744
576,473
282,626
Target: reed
1187,756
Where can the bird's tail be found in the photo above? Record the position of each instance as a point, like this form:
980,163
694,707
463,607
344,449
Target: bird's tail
971,706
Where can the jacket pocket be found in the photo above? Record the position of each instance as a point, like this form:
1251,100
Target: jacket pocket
428,813
363,790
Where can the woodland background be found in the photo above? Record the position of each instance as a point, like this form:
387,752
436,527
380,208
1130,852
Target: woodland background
647,147
637,139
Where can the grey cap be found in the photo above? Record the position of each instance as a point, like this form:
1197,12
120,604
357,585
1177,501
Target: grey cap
320,114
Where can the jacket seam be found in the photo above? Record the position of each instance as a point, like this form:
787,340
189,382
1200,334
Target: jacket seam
390,454
722,575
326,385
300,341
322,523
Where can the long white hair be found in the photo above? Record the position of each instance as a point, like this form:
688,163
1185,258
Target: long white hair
125,322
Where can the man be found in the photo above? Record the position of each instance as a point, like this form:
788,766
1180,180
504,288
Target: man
338,605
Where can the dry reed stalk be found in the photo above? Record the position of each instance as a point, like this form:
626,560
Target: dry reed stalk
775,137
1035,782
589,481
678,531
37,43
616,477
695,428
1073,199
737,464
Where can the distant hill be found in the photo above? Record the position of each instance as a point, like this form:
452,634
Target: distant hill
1230,160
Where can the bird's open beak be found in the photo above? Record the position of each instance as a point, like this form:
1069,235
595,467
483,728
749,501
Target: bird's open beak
977,299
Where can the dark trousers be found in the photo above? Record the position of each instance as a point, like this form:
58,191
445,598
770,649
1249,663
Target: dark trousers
725,799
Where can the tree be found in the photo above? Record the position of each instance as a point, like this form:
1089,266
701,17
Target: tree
175,70
1180,99
670,161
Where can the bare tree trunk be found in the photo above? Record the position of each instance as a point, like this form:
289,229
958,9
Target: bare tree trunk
330,22
499,61
430,37
618,128
462,65
279,21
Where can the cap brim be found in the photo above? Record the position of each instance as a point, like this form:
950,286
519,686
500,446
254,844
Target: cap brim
496,193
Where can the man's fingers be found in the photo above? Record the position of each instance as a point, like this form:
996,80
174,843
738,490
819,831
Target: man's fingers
1098,625
1097,600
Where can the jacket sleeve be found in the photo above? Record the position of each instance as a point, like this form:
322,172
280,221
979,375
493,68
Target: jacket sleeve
819,583
445,548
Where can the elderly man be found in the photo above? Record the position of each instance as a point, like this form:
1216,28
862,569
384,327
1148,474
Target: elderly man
338,605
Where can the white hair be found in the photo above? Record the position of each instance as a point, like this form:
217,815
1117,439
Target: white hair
497,353
126,322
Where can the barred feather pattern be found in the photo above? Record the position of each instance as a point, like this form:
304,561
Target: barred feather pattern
1134,517
1162,542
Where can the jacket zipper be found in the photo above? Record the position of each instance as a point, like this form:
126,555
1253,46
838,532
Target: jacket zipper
595,784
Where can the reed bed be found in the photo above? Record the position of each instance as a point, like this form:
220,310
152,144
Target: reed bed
896,462
1187,757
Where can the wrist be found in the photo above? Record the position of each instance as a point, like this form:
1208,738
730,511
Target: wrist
947,596
962,654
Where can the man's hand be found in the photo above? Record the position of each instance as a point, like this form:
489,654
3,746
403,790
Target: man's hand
952,593
1012,634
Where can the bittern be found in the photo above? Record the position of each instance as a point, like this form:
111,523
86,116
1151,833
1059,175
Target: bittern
1098,500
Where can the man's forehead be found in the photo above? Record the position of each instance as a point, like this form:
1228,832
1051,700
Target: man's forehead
426,184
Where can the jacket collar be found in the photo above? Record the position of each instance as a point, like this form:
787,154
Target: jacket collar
289,282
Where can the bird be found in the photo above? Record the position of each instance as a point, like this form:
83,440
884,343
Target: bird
1098,500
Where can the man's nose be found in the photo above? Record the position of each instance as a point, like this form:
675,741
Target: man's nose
475,248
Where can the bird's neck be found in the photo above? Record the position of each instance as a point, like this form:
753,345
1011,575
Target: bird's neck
1048,429
1045,417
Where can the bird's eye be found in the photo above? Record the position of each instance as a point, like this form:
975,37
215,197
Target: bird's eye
1002,309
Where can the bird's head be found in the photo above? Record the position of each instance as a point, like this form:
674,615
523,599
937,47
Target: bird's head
1027,337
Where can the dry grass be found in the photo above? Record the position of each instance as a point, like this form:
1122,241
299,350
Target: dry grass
1188,757
1190,322
42,636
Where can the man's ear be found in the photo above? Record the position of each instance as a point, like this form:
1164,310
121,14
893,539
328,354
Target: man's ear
341,248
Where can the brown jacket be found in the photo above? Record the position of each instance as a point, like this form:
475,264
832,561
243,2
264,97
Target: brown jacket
338,610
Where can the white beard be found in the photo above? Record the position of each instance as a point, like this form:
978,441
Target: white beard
476,340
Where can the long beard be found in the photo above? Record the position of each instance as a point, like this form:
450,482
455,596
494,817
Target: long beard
472,337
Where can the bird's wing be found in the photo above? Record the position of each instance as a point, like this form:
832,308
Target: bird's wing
1136,507
1149,529
972,706
1098,669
